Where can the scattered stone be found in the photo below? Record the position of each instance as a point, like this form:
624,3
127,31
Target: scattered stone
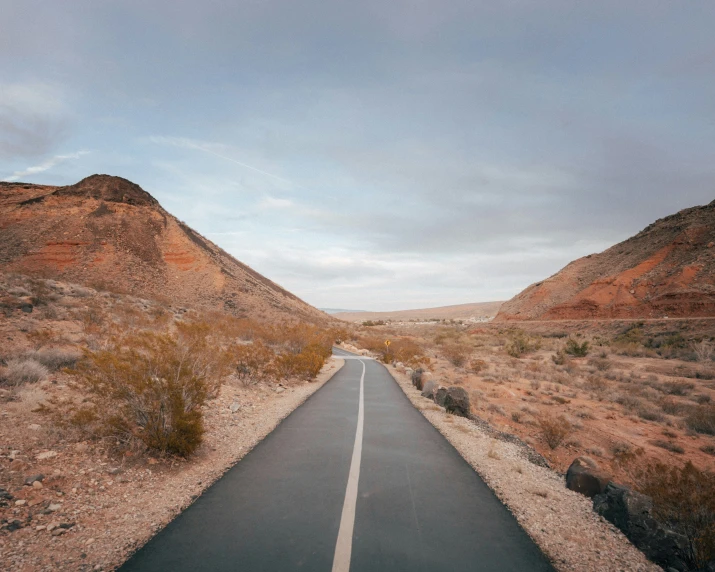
20,502
280,389
13,525
67,525
586,477
54,507
81,447
429,388
4,495
115,471
37,485
52,526
34,478
235,406
46,455
58,531
456,401
34,427
440,395
26,307
630,511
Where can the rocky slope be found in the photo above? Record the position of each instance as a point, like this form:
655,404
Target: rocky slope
666,270
109,233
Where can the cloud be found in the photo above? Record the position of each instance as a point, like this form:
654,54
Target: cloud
45,165
33,119
210,147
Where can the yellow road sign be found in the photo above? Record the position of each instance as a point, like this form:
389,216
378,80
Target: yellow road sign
387,343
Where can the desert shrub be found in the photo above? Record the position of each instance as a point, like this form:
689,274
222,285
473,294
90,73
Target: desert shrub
703,350
702,419
668,446
252,362
554,429
649,413
684,499
559,358
601,364
576,349
19,371
54,358
520,343
150,387
370,323
408,352
304,365
676,387
456,354
702,398
477,365
516,416
709,449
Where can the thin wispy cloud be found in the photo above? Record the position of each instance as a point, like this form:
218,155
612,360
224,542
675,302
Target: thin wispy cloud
45,165
208,147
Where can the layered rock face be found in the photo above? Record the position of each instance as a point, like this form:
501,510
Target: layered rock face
109,233
666,270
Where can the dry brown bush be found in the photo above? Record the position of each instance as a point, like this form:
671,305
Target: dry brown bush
684,498
54,358
521,343
554,429
252,362
456,354
702,419
150,387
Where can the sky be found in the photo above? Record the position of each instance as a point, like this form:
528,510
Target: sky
367,154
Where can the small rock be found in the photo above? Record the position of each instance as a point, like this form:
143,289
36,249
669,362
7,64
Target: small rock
21,502
37,485
34,478
34,427
52,526
46,455
81,447
235,406
115,471
58,531
13,525
4,495
280,389
54,507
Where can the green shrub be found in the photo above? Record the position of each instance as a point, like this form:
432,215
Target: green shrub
520,343
575,349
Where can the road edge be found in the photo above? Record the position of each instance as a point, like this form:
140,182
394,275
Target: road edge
594,544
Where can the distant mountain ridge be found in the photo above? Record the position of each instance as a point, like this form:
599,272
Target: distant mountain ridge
108,231
455,312
666,270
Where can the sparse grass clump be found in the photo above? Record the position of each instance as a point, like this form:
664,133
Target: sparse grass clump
24,370
54,358
668,446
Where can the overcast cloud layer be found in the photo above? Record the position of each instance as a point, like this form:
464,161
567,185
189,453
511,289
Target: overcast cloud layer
374,155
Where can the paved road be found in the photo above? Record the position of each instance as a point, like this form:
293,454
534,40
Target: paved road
355,479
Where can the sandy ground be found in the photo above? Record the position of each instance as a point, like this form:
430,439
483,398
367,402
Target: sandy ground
91,511
560,521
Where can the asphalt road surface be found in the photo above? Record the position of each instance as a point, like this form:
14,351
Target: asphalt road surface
354,479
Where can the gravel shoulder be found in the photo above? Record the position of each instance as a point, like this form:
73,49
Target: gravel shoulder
106,509
560,521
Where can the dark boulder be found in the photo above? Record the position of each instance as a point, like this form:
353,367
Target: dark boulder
417,378
440,394
457,401
429,388
586,477
630,512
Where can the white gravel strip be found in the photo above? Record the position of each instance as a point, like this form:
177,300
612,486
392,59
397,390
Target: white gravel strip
560,521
